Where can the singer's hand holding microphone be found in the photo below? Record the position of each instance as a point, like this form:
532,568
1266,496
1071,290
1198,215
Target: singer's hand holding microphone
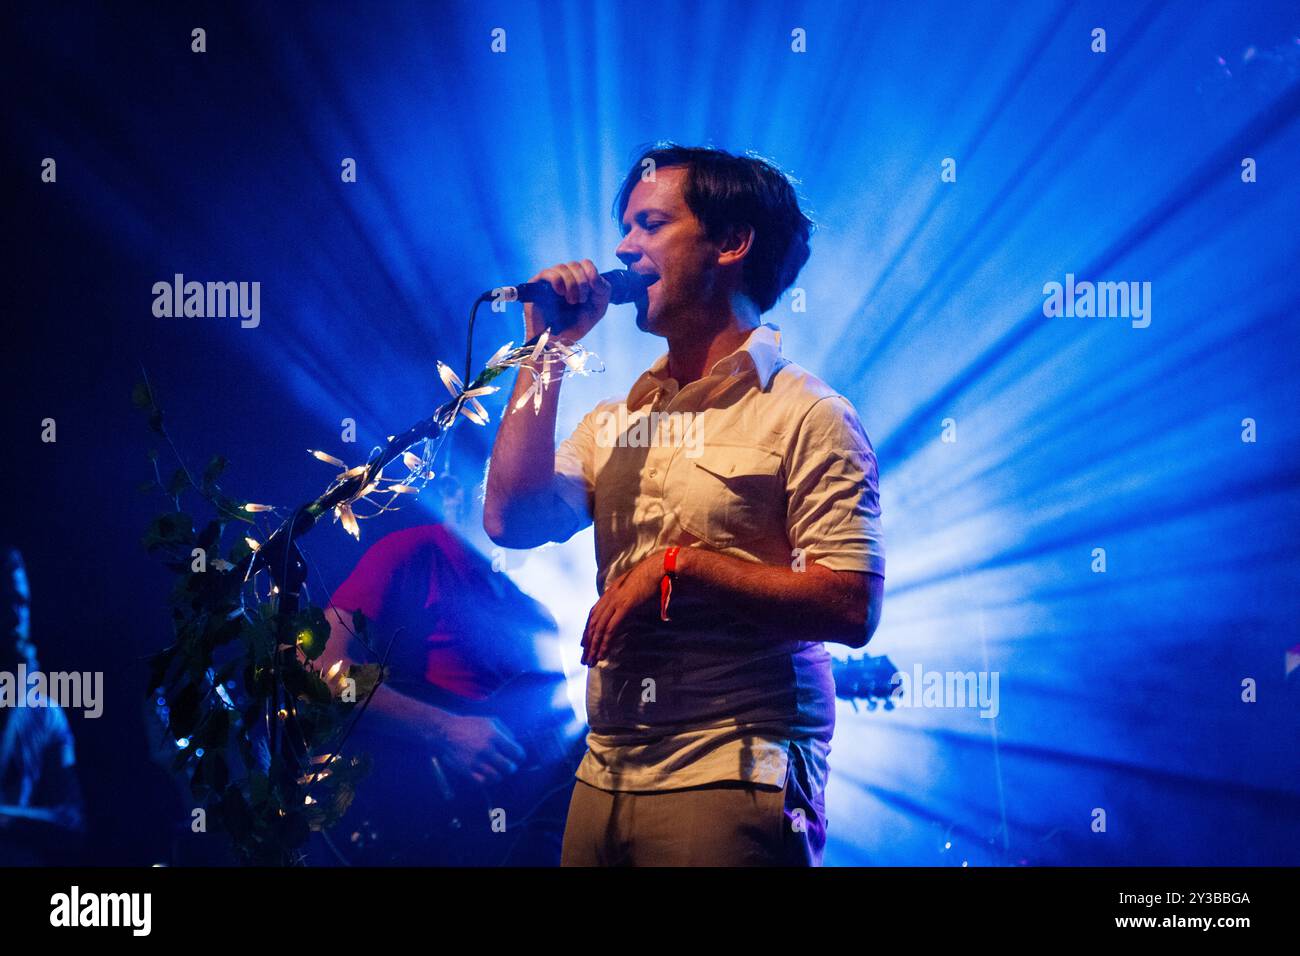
581,297
571,297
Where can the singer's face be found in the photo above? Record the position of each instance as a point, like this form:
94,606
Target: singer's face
661,236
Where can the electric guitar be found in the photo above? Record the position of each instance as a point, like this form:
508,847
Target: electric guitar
411,810
867,678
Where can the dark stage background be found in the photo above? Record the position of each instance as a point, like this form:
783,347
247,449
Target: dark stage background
1119,690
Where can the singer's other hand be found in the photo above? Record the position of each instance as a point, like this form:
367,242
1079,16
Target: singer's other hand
580,289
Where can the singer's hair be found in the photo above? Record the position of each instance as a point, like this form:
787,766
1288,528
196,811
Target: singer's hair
724,190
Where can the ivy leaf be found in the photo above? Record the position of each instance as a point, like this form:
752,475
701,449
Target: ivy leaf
184,713
346,775
257,680
221,630
214,733
361,628
180,481
211,534
343,797
239,550
212,771
367,677
228,671
235,815
297,828
215,467
229,507
251,716
159,664
259,788
159,533
172,530
311,632
317,690
259,638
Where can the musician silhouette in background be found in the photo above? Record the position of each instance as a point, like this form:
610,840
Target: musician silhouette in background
40,797
473,738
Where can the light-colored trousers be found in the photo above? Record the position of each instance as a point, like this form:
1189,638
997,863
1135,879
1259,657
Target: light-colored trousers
722,824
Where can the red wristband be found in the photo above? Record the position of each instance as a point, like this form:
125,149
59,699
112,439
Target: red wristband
666,583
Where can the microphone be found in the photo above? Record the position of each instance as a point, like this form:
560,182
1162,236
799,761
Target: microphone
625,286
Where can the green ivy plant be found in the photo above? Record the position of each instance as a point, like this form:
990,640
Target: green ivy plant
258,727
216,678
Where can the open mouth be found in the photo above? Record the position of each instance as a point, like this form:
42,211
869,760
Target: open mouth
642,301
650,279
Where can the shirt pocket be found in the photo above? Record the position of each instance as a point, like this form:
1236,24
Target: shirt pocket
728,494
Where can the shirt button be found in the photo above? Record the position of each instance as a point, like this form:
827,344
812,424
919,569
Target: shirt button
652,472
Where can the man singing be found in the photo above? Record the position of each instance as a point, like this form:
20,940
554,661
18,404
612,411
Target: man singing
737,523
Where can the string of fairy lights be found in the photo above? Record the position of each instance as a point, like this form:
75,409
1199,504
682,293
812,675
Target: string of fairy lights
548,359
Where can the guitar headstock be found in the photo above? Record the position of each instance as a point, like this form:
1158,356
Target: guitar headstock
866,678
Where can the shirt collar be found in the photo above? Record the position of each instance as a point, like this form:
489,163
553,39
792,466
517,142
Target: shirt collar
760,353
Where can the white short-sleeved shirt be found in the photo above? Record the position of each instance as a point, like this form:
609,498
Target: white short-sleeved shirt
759,460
